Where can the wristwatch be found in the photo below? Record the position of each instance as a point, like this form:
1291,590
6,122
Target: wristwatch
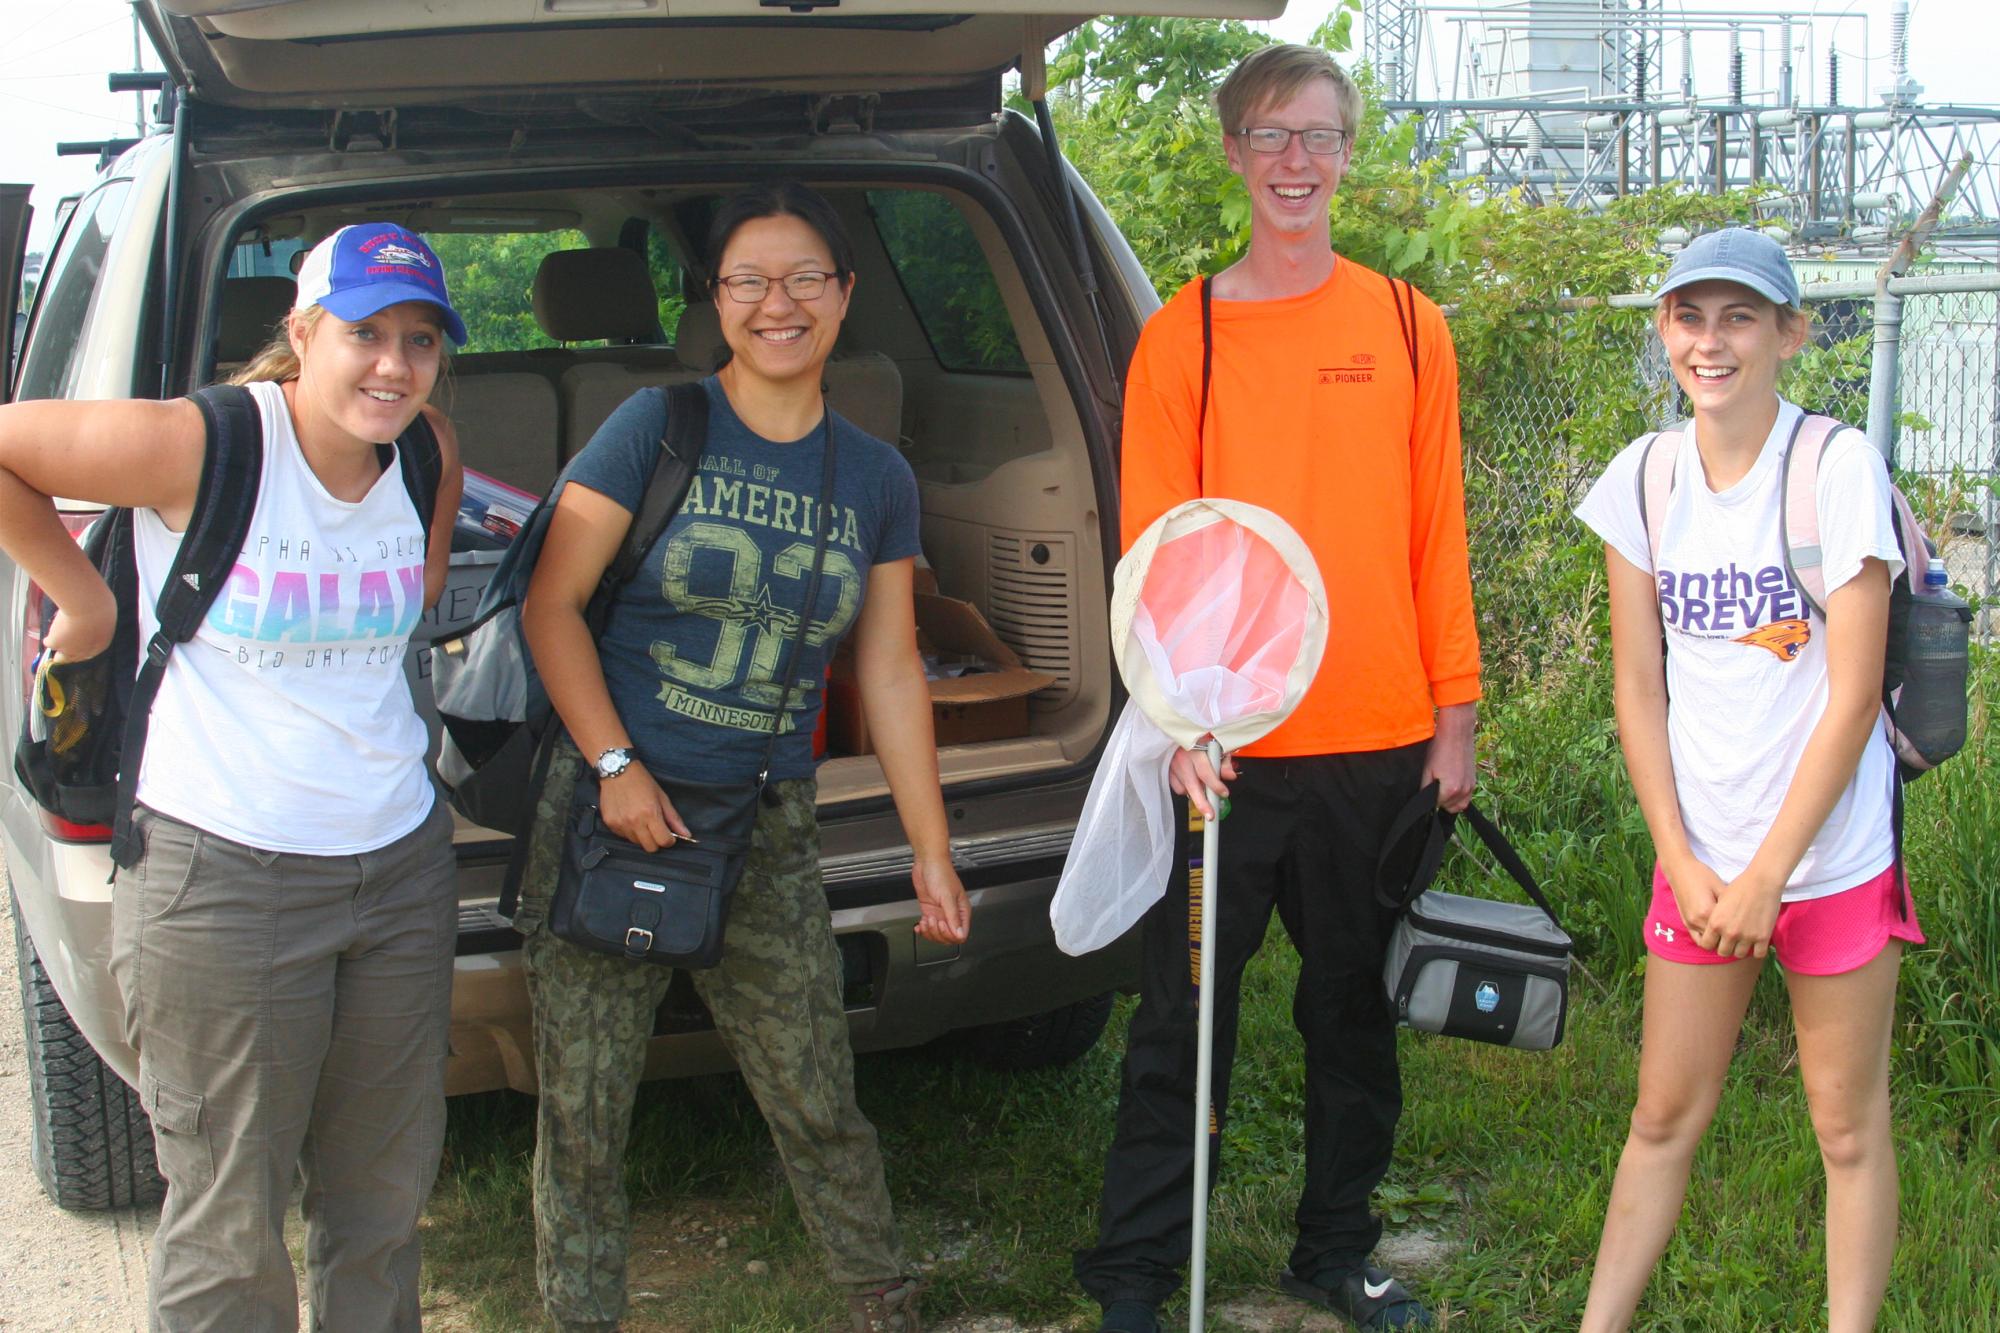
612,762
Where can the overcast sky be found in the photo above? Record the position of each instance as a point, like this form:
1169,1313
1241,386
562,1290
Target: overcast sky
54,55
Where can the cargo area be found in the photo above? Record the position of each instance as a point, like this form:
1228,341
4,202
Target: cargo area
942,354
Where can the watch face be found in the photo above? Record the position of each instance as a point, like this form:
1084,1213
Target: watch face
613,762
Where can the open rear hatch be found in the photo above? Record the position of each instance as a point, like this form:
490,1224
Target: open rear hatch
355,54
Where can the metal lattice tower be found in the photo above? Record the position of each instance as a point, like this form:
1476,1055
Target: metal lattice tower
1389,45
1580,101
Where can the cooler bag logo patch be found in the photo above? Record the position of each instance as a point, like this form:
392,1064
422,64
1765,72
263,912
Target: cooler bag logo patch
1487,998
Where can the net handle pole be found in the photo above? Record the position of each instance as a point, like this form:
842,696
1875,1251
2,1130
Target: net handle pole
1204,1070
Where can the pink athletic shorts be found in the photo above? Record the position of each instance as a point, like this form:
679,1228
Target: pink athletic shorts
1819,937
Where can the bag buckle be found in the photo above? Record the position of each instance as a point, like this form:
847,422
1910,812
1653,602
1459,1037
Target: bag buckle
638,940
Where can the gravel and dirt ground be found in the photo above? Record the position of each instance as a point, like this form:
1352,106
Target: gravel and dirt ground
59,1270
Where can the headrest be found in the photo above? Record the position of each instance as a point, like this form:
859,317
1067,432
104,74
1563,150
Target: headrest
603,292
249,315
698,342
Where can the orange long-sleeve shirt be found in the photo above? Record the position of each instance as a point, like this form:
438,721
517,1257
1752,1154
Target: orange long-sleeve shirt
1313,415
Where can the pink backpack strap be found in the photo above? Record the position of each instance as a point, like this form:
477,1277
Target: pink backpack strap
1805,559
1803,551
1657,456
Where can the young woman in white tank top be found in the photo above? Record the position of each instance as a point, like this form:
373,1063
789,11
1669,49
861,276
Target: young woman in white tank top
284,943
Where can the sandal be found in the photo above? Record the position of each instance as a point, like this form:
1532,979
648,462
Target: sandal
1366,1297
893,1309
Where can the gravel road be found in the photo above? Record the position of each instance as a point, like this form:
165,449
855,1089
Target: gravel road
58,1270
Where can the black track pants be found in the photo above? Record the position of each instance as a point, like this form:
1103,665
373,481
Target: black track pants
1303,836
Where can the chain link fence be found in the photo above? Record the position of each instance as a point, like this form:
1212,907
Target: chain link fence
1548,405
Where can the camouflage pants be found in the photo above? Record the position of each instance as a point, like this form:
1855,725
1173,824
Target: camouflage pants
775,997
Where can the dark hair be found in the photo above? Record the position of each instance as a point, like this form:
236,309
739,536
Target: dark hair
779,199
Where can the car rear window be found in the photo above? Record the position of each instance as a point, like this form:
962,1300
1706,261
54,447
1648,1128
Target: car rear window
948,280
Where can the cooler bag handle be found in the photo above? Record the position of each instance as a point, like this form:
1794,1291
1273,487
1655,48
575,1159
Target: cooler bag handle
1397,891
1510,861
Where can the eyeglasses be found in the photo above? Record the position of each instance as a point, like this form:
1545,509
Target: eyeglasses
1271,139
750,288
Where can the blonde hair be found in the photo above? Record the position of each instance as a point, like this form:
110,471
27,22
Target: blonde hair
1274,75
277,361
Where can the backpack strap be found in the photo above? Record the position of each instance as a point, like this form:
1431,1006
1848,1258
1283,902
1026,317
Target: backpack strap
1207,366
1805,559
1399,292
225,502
666,490
1658,455
422,464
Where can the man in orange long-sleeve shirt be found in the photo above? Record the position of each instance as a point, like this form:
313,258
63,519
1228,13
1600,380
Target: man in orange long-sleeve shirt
1330,398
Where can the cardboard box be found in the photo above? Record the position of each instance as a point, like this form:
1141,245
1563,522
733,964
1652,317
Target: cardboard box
989,704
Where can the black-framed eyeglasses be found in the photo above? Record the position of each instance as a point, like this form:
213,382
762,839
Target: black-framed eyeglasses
1271,139
750,288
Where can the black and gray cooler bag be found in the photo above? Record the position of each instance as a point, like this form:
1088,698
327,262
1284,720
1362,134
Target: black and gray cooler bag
1471,967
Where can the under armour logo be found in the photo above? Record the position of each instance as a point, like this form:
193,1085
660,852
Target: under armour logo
192,581
1665,931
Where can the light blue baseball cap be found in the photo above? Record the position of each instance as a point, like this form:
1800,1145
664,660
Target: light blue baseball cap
1735,254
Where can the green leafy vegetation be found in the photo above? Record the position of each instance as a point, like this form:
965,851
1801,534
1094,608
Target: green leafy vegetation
493,280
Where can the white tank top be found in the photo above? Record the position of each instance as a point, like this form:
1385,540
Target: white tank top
286,723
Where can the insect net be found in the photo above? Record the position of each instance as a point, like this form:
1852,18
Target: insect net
1218,623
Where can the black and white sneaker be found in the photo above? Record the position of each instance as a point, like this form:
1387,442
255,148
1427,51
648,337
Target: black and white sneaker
1366,1297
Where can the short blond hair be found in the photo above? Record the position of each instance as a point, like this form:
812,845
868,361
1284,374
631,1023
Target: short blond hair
1274,75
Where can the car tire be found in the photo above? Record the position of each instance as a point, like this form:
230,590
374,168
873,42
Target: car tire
1042,1041
89,1139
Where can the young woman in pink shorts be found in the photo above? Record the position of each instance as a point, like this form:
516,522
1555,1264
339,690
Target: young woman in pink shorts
1757,750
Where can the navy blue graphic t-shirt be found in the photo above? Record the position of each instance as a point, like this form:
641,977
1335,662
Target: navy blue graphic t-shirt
696,640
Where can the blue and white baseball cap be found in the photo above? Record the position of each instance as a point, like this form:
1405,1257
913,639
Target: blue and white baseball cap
371,266
1739,255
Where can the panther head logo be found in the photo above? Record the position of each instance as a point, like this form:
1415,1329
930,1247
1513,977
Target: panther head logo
1783,638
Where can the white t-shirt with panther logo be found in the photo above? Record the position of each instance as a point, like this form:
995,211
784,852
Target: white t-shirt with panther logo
1746,660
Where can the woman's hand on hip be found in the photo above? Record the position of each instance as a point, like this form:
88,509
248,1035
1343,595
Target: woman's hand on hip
82,631
946,914
633,806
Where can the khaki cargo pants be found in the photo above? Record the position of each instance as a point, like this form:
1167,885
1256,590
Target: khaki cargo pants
776,1000
290,1013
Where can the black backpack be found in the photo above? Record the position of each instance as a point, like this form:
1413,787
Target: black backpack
85,730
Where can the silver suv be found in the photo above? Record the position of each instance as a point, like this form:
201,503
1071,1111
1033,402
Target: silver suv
565,155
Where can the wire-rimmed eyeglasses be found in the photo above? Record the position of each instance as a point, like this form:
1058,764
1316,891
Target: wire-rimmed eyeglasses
1272,139
750,288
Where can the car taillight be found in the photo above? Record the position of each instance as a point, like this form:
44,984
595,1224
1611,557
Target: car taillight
62,830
